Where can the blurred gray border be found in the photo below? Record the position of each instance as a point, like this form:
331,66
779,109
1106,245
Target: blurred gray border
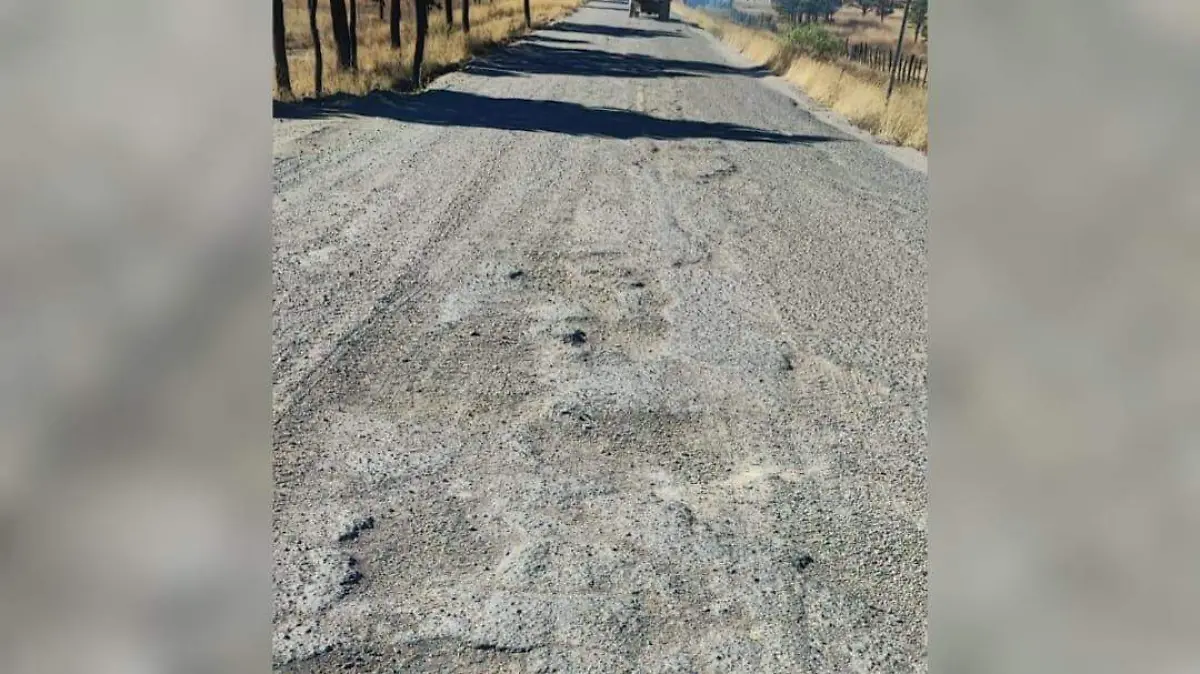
1065,464
135,479
134,476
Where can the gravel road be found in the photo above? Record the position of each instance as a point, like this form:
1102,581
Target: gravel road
600,356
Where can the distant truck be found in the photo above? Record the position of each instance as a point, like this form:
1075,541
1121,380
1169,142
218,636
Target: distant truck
660,7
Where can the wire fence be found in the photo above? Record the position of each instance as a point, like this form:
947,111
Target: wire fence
726,10
912,69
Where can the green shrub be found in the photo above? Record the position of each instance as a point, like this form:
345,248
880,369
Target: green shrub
816,41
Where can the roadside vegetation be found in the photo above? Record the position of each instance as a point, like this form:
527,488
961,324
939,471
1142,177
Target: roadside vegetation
366,45
877,22
808,48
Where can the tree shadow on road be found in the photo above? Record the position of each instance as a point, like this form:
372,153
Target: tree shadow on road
610,31
541,57
461,109
538,37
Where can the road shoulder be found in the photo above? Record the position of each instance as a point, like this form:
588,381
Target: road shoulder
906,156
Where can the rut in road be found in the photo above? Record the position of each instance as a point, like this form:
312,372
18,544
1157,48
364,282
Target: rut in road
600,356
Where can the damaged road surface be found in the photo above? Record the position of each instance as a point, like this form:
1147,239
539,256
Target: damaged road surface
599,356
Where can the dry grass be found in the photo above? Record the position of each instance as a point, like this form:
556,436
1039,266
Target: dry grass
855,92
380,66
870,29
862,99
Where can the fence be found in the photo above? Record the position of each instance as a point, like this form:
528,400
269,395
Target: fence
912,69
753,20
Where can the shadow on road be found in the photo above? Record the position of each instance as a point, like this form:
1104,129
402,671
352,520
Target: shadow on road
462,109
610,31
536,57
538,37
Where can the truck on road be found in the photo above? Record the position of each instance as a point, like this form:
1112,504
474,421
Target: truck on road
662,8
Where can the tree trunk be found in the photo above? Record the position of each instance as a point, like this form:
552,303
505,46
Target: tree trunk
395,24
283,78
381,8
318,65
354,34
466,16
449,12
895,63
528,16
341,34
422,8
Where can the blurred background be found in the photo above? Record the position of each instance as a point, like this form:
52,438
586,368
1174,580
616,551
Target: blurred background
135,479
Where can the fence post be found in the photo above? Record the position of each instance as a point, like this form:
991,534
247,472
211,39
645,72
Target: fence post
899,44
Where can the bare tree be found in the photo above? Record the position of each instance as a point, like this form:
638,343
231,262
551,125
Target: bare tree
449,7
318,65
528,16
341,34
920,10
466,16
354,34
283,78
422,9
895,65
395,24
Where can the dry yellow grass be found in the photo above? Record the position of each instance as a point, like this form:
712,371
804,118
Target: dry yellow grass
870,29
382,67
857,93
